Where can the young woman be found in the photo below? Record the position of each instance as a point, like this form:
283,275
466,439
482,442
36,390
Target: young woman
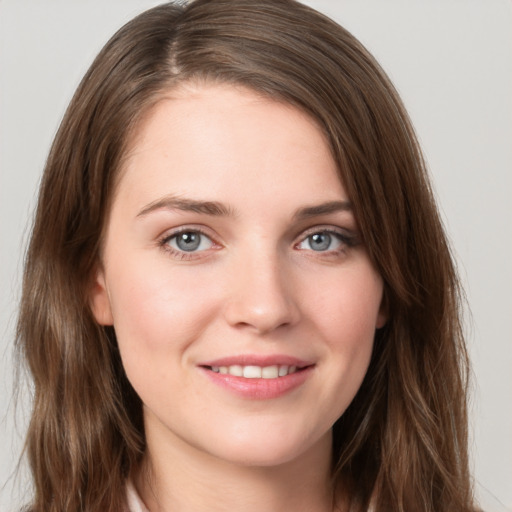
238,293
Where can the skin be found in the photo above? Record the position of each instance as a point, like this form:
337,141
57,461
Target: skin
257,284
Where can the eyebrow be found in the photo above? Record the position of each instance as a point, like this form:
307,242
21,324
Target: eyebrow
218,209
188,205
322,209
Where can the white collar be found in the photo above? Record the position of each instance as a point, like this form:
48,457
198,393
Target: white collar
134,501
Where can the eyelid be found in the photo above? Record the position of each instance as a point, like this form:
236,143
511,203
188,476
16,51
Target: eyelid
196,228
184,255
347,237
327,228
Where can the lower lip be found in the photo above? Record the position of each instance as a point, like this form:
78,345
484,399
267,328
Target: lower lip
259,389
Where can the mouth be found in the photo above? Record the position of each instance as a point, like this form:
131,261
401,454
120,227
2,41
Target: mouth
259,377
257,372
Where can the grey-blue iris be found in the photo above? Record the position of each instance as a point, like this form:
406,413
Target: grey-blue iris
188,241
320,241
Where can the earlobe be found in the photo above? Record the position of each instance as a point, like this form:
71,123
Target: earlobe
382,318
383,314
99,300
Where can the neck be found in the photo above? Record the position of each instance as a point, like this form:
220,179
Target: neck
175,477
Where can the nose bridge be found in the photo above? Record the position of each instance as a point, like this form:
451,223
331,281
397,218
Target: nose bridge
260,294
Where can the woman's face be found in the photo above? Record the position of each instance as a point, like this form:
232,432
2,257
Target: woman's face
243,300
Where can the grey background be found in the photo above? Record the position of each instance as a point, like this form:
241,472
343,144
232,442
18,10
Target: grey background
452,62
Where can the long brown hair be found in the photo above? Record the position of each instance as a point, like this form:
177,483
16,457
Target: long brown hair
402,443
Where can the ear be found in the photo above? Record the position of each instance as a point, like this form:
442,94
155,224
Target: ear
383,314
99,299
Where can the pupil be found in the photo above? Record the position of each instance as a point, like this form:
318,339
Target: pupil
188,241
320,241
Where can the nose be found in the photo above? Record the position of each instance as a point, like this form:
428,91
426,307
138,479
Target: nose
261,296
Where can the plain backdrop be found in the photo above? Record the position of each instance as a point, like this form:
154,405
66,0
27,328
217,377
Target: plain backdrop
451,60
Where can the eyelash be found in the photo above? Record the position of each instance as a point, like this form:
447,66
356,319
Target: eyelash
183,255
347,241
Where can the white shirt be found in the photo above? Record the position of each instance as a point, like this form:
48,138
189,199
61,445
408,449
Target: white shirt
133,499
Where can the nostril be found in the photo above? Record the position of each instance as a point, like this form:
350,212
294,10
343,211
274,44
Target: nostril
261,318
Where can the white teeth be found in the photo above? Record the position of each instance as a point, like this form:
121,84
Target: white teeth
252,372
270,372
255,372
236,370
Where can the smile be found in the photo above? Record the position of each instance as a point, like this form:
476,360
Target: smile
255,372
258,377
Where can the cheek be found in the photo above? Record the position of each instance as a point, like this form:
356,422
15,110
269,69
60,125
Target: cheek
347,317
158,315
348,308
156,310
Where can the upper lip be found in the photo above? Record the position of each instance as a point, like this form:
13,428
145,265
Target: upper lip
258,360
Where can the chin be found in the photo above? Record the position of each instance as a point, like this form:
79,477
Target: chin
271,448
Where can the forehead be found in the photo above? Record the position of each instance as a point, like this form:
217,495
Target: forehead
198,100
219,138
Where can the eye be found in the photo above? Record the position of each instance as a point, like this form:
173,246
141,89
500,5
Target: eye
325,241
189,241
